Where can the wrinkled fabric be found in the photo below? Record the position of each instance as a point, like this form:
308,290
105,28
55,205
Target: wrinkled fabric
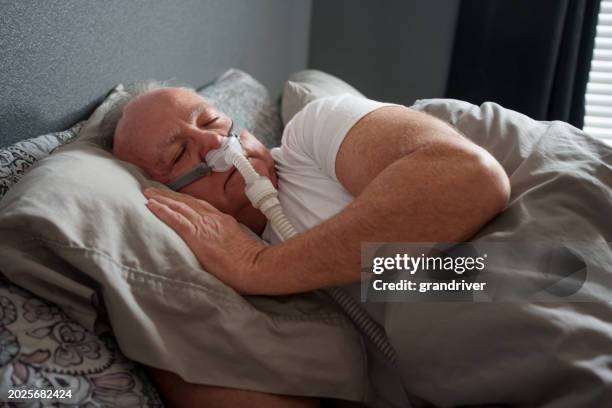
548,354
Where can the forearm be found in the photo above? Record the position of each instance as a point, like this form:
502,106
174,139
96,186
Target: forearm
434,194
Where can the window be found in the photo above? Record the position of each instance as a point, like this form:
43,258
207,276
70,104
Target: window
598,109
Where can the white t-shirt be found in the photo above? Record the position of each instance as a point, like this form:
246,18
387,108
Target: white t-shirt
310,193
308,188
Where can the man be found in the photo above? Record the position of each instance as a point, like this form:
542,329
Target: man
349,170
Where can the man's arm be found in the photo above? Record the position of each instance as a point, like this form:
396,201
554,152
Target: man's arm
414,178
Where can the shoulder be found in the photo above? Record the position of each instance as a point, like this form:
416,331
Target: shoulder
330,116
318,130
336,106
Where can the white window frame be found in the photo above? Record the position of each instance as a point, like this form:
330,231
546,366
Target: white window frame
598,98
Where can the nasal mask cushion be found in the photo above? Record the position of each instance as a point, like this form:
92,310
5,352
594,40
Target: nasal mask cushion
217,158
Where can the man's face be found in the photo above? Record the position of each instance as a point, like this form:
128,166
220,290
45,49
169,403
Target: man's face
167,132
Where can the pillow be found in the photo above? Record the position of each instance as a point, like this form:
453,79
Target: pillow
248,103
42,344
305,86
75,229
16,159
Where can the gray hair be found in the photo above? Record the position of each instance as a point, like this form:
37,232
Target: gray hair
118,99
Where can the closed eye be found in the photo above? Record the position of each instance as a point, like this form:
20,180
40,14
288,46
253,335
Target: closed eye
210,122
180,155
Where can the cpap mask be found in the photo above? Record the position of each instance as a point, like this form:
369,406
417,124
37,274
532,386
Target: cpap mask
214,161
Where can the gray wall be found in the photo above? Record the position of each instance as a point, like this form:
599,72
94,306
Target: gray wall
391,50
58,58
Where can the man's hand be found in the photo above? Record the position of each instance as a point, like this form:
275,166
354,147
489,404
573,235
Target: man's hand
216,239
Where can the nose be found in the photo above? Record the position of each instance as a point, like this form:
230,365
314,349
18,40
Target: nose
205,140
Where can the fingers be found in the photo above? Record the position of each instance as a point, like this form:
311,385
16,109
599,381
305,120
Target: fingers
155,192
173,219
178,206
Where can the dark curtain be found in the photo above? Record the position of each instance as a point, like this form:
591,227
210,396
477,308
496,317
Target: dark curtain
532,56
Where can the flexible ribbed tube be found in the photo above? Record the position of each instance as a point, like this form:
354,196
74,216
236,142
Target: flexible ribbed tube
280,223
364,322
244,167
273,211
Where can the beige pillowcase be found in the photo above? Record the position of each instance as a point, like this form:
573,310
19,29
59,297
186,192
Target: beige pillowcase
76,229
305,86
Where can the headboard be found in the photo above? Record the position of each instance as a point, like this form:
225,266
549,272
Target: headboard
59,58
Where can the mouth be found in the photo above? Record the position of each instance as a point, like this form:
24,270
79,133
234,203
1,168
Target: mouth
229,176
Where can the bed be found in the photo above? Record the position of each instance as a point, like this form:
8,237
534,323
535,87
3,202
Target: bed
556,354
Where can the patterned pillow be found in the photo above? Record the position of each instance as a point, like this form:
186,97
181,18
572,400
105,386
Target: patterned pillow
248,103
15,160
40,347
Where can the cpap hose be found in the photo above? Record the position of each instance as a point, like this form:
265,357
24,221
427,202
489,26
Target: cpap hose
259,189
262,194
